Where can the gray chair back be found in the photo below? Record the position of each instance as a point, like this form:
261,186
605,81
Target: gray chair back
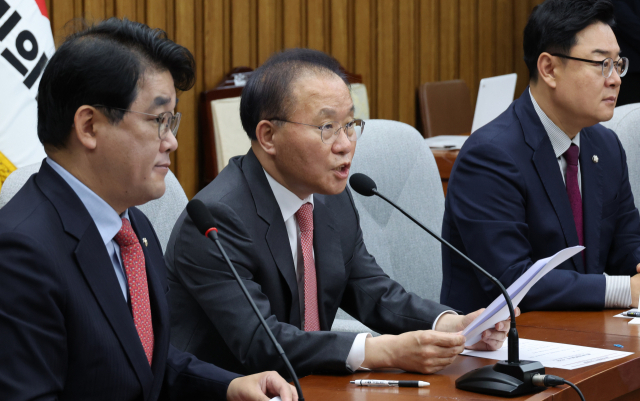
162,212
626,123
397,158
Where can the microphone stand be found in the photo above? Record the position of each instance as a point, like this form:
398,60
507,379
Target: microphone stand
213,235
509,378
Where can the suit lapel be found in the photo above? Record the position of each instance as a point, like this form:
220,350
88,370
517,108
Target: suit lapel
97,269
546,165
591,174
158,303
276,236
330,272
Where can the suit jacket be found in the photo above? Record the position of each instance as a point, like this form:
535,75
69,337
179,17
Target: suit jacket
66,329
209,308
507,206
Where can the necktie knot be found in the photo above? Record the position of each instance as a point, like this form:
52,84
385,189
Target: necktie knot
572,154
126,236
305,217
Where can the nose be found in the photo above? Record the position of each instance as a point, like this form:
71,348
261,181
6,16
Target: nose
342,144
614,79
168,144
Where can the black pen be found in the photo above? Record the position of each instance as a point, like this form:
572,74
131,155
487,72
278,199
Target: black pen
631,314
390,383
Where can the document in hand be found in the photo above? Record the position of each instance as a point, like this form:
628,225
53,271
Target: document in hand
498,309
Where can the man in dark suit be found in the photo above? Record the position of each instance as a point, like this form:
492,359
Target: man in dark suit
545,175
83,312
292,230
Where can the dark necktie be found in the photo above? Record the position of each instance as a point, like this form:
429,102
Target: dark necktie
305,221
134,266
573,189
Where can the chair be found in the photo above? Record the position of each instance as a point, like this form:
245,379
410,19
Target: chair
222,135
445,108
626,123
396,157
162,212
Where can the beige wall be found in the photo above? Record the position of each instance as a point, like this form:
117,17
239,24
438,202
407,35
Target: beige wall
394,44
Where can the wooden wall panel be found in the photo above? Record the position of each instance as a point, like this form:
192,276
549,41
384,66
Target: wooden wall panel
395,45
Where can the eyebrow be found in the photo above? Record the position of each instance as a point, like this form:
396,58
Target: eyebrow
332,112
603,52
161,101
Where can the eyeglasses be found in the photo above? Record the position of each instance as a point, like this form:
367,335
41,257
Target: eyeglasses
622,65
167,122
329,131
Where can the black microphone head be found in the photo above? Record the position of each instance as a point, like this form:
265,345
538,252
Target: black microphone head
362,184
200,215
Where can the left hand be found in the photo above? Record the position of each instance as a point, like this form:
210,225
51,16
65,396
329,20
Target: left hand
261,387
492,339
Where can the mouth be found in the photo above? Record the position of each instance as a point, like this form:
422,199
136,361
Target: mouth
163,166
610,99
342,171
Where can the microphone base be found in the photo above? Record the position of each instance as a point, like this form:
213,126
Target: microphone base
503,379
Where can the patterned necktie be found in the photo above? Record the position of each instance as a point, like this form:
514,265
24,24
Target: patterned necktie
304,215
573,189
134,266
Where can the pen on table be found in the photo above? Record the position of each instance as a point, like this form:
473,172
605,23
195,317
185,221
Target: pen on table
390,383
631,314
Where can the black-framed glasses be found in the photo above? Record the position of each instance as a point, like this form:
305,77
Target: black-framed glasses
329,131
622,65
167,122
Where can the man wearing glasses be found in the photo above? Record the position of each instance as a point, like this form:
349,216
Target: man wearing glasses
292,231
83,311
545,175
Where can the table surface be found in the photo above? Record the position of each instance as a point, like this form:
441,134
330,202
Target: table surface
603,381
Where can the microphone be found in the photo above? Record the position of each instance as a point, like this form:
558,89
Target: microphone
205,224
506,378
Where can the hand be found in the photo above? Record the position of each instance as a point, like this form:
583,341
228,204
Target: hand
425,351
635,287
492,339
261,387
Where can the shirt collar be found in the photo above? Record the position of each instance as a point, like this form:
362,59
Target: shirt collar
106,219
288,201
559,140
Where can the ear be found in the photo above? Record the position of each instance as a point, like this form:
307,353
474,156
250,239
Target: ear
547,65
84,122
265,132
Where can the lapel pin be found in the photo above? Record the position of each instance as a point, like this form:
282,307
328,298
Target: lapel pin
595,158
144,241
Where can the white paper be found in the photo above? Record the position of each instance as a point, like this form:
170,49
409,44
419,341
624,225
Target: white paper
446,141
554,355
498,309
635,320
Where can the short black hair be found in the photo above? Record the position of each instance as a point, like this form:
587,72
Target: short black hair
103,64
268,91
554,24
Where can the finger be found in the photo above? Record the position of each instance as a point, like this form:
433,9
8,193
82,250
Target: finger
517,311
276,385
443,339
294,393
433,365
493,335
502,326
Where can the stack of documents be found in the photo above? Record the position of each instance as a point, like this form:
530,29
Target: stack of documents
498,309
554,355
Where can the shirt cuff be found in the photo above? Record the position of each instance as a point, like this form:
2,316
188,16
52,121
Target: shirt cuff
448,312
356,354
617,293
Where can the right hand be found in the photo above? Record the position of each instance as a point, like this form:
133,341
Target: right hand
261,387
635,288
425,351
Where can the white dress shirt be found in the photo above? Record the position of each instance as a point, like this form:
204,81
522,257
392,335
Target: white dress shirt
617,292
289,204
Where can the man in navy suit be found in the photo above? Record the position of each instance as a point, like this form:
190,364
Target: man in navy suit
545,175
83,311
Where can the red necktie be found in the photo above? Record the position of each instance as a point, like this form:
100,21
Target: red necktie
134,266
304,215
573,189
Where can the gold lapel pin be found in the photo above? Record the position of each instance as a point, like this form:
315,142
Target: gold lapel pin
144,241
595,158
